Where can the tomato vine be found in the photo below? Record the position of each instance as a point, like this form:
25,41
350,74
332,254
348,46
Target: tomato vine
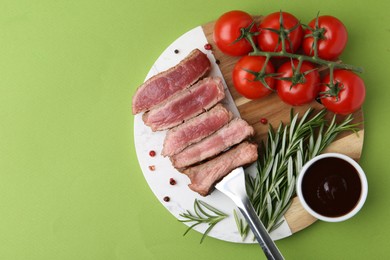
317,34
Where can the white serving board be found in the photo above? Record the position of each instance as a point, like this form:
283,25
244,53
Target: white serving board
181,197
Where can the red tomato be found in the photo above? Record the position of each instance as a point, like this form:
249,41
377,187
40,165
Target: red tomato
245,82
333,38
269,40
348,94
303,92
227,29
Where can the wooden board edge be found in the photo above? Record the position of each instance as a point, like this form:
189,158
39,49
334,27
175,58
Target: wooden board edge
297,217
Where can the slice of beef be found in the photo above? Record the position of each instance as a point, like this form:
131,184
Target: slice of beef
195,129
233,133
163,85
185,104
204,176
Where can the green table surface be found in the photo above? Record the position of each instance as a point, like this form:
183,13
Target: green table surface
70,183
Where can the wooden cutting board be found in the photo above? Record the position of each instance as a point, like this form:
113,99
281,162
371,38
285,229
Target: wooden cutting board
275,111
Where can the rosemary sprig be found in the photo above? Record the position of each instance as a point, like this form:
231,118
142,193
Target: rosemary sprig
242,226
203,215
289,147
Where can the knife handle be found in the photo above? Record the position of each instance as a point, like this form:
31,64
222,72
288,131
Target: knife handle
258,229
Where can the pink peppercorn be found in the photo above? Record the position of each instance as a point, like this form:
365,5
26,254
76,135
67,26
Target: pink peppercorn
208,46
172,181
263,121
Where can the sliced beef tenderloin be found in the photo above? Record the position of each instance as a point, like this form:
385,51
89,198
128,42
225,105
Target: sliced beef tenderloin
163,85
204,176
185,104
195,129
233,133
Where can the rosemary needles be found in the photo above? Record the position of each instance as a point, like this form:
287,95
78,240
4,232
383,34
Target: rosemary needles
203,214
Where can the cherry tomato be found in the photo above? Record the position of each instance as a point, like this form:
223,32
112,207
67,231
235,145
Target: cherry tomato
245,82
227,30
333,38
305,90
347,95
268,40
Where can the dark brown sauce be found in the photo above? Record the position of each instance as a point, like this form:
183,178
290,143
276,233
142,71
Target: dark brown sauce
331,187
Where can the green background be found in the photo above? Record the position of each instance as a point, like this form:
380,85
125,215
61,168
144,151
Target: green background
70,183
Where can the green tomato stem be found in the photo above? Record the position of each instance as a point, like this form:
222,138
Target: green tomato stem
267,58
312,59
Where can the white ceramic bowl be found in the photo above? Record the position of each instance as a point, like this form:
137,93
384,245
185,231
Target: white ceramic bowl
363,181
